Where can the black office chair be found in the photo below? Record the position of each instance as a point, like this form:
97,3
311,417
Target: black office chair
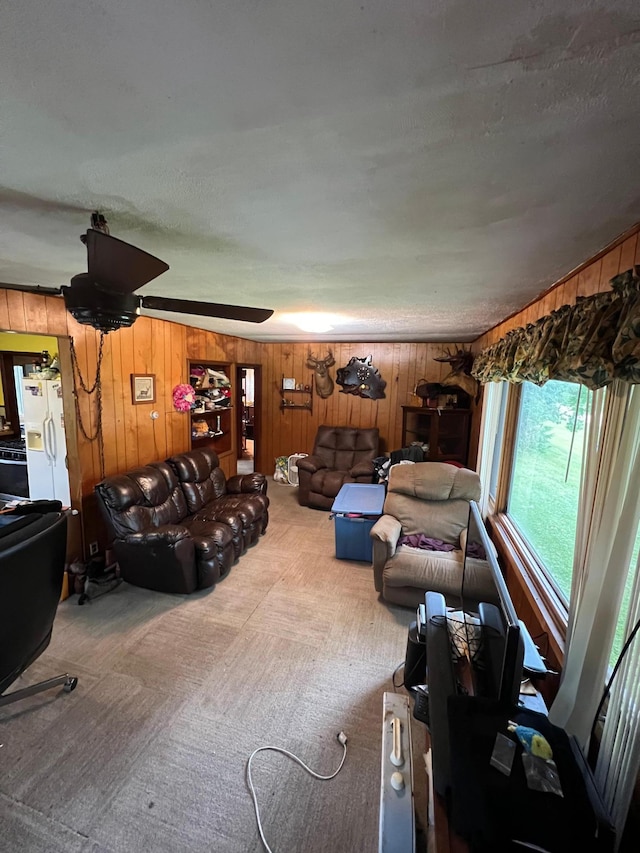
32,556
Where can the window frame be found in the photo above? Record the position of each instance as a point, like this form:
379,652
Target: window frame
537,584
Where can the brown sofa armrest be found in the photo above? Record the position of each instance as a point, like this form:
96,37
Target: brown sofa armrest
385,534
161,558
246,484
311,464
362,469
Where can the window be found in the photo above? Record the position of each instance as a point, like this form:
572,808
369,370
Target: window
495,459
545,481
18,376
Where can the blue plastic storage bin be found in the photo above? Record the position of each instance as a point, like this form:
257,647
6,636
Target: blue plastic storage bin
356,509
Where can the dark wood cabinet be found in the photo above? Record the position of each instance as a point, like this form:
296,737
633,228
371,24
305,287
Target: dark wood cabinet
443,433
211,420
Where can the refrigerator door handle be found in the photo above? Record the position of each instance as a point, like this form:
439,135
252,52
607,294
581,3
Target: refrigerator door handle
53,449
46,439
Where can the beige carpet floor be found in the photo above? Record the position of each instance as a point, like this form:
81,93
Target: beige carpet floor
149,752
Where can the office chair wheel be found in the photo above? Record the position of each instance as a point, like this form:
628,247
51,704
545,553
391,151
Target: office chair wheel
70,684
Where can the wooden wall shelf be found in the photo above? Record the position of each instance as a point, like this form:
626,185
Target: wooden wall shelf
296,398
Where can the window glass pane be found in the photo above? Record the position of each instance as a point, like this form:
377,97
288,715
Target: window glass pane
543,499
495,460
18,377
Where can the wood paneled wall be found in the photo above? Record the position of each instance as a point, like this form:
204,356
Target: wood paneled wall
401,365
593,276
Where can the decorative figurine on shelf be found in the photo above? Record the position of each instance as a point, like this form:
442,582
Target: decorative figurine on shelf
199,429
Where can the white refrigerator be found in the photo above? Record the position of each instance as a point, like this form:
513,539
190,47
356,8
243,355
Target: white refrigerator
45,440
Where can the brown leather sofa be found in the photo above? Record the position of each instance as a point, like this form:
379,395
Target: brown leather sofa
179,525
340,455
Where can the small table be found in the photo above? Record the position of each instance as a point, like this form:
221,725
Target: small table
356,509
487,809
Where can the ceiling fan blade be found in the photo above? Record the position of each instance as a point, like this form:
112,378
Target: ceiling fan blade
119,265
14,200
207,309
31,288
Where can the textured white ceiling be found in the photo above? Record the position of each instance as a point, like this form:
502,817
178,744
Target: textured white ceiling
421,168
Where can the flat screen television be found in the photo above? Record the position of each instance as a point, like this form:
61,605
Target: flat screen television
503,641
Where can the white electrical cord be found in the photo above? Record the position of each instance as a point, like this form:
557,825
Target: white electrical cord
341,737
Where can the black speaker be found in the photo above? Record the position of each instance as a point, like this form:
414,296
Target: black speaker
415,662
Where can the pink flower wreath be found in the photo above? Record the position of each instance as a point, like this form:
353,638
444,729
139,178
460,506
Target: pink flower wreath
183,398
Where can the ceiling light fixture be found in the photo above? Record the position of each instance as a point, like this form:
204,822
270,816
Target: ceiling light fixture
314,322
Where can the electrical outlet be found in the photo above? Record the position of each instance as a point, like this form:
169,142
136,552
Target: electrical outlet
93,549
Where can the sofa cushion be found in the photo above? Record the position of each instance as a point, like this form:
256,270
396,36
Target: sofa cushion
215,552
441,570
412,571
434,481
201,477
243,513
240,502
343,447
146,497
432,497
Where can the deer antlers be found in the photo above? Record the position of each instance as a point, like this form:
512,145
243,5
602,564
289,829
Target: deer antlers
461,359
324,383
315,363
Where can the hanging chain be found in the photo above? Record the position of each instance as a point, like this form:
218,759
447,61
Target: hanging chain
97,387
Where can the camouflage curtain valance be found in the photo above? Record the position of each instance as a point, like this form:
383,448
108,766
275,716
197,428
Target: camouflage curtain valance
592,342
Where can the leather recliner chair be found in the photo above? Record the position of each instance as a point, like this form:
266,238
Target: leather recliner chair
340,455
32,558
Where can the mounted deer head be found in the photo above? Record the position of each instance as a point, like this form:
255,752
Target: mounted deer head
324,383
461,362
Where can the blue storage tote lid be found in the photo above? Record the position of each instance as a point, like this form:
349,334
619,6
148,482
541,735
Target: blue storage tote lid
362,498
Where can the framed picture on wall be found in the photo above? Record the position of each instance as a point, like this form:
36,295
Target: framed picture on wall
288,384
143,387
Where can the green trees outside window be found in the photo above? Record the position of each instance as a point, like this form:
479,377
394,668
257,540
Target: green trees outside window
545,484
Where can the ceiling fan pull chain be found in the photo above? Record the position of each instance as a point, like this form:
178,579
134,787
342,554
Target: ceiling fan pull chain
97,387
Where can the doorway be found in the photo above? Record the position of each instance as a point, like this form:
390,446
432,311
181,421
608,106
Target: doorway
33,459
248,406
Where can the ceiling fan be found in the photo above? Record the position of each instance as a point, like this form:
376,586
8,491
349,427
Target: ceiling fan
104,297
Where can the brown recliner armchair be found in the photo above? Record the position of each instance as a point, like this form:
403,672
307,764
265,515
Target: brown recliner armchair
432,499
340,455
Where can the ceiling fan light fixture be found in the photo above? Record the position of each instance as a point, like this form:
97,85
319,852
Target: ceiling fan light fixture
104,297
